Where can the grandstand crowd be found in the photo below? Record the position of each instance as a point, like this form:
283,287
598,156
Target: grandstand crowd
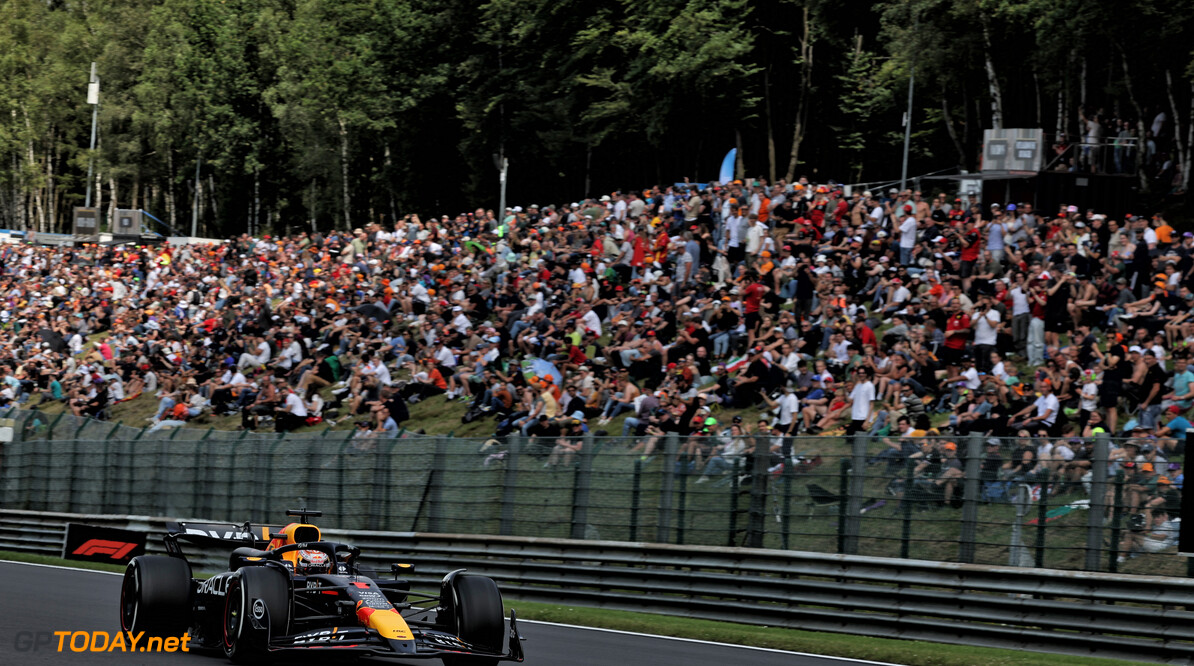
887,313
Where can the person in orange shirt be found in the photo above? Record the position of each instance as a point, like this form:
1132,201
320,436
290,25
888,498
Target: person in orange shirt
427,383
1164,231
767,265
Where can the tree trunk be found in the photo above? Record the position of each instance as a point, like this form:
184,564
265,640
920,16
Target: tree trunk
344,172
198,204
739,161
770,128
171,208
1036,88
1082,85
1189,143
949,126
51,189
211,197
1183,148
311,207
806,71
992,81
390,187
112,205
1060,127
135,199
1142,174
255,221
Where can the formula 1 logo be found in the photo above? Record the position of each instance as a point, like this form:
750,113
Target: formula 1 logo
96,543
117,550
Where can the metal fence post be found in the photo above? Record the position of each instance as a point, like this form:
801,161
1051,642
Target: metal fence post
671,445
439,467
789,473
1117,516
636,491
970,484
906,510
756,519
682,505
732,537
580,488
843,504
1042,517
857,488
1098,502
510,485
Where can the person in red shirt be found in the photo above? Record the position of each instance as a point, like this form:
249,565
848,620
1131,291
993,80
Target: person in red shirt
866,336
752,298
957,332
972,246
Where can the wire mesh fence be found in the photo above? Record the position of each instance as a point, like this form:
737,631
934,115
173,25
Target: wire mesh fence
973,499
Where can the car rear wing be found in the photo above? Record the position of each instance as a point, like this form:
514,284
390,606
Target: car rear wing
218,534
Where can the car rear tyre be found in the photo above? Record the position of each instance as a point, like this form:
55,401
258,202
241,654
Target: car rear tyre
477,610
256,608
155,596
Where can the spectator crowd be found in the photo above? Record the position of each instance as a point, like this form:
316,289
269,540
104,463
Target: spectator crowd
801,306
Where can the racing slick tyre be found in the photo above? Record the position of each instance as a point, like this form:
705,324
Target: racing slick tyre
256,607
155,596
477,610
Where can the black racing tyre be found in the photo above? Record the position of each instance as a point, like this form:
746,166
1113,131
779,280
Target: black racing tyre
252,594
477,610
155,596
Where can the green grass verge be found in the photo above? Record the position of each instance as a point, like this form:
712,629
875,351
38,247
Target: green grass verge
837,645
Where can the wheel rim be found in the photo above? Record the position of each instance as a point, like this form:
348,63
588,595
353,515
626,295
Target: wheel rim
129,599
234,606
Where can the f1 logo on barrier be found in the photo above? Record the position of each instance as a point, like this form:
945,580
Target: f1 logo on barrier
116,549
93,543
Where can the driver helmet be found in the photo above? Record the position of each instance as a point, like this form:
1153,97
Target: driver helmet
313,562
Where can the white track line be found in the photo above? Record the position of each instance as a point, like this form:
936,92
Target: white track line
695,640
56,566
568,626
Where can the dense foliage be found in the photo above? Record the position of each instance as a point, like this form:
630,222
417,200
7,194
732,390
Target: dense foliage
312,113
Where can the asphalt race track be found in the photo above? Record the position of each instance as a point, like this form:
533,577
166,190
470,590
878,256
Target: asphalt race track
47,599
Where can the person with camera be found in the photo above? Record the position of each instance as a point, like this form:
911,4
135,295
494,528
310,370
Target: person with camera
1147,535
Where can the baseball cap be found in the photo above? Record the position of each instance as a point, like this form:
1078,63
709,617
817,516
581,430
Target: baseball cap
950,446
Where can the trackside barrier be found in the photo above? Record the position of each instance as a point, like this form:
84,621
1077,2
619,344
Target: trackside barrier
1067,612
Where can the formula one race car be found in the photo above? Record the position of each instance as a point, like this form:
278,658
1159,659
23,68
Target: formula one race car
289,591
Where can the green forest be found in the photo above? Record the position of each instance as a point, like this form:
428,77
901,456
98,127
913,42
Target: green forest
301,114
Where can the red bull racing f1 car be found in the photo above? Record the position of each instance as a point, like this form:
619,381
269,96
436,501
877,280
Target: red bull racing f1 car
289,592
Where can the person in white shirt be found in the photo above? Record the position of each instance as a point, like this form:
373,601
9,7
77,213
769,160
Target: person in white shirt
592,321
786,408
1045,409
986,331
861,398
908,228
444,356
291,354
1021,316
258,359
619,207
293,413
